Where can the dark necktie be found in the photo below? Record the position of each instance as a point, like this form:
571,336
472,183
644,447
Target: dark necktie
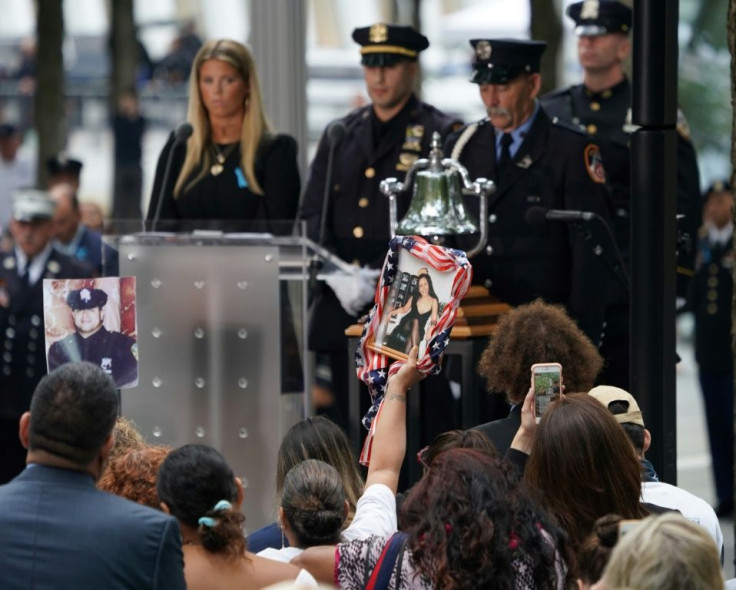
25,279
505,159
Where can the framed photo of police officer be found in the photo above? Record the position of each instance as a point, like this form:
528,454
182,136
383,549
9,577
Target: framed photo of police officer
93,320
412,308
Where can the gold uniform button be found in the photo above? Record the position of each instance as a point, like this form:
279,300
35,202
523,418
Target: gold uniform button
712,282
711,309
356,262
595,106
592,129
358,231
370,172
363,203
712,295
607,94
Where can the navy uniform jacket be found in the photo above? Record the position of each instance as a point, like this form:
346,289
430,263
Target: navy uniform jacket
709,299
357,227
90,251
555,167
59,531
22,346
606,117
113,352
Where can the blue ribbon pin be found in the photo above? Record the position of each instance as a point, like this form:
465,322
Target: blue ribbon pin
242,182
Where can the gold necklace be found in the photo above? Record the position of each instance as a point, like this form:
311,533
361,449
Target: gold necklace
220,157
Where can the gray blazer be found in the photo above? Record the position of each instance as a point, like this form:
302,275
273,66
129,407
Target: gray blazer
58,531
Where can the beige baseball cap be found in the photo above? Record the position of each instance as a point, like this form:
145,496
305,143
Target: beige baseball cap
607,394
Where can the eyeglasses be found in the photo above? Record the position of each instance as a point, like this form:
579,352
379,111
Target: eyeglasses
422,457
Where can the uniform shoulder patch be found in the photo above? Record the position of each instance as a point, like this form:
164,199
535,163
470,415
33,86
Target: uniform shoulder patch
568,126
555,94
594,163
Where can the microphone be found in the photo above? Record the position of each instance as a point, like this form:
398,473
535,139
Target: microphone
182,133
335,134
537,217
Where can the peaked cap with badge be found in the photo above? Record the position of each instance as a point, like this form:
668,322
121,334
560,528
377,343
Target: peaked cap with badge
86,298
32,204
600,17
386,45
498,61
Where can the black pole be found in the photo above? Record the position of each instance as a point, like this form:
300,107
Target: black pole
653,226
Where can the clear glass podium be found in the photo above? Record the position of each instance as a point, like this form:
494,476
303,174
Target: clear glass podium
221,319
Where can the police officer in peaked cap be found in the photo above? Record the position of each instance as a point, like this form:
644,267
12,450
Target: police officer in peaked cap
114,352
381,140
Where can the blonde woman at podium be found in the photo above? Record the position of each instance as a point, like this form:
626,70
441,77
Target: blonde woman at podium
226,163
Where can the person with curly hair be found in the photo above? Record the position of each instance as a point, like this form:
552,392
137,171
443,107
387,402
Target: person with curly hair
127,437
198,487
468,524
132,475
536,332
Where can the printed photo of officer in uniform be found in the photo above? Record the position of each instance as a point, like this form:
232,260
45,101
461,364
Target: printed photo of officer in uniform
116,353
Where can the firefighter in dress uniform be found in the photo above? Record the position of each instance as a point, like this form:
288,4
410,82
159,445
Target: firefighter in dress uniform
22,271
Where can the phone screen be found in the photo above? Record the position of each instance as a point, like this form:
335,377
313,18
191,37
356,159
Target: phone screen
547,384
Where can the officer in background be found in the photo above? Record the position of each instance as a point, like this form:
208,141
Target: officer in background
62,169
537,165
381,140
114,352
710,295
73,238
601,106
22,271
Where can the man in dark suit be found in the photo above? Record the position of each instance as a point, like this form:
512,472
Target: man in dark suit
601,107
73,238
381,140
536,164
56,528
22,272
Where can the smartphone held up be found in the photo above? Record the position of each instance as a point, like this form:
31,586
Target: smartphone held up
547,386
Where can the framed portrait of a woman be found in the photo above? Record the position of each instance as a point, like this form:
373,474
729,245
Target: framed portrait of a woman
413,304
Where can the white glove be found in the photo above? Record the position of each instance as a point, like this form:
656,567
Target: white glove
354,290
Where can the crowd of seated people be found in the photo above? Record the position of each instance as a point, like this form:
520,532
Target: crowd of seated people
562,507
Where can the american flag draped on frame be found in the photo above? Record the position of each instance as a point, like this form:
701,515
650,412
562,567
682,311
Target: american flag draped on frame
373,367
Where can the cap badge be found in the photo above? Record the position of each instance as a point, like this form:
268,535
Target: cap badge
590,9
378,33
483,50
85,295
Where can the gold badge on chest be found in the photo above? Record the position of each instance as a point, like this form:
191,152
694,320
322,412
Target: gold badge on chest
413,138
405,161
